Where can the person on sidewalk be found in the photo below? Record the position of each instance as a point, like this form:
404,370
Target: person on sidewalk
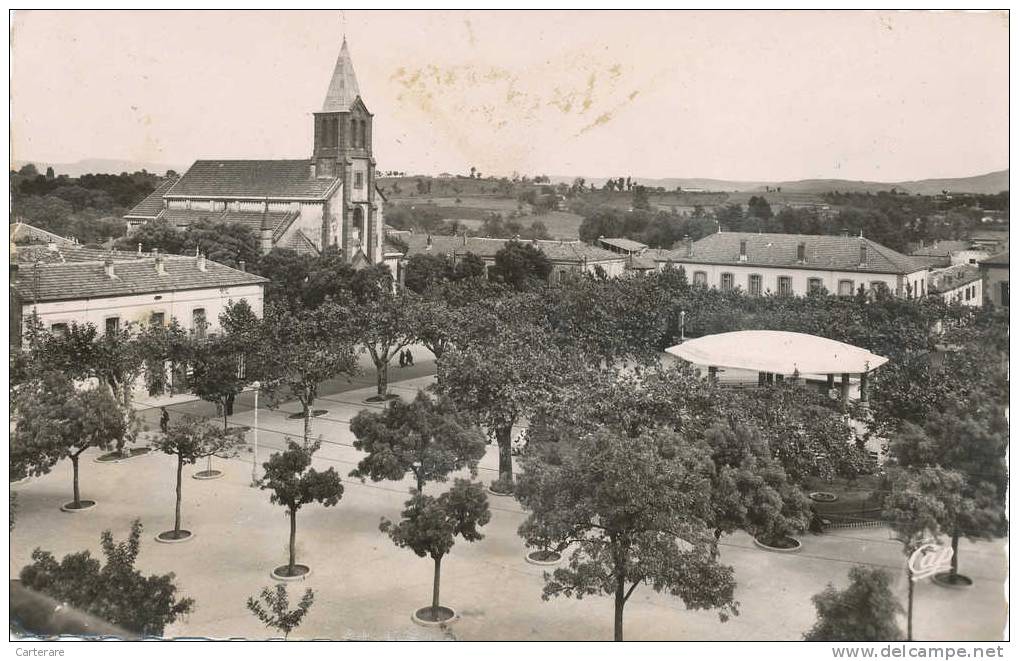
403,359
164,419
410,358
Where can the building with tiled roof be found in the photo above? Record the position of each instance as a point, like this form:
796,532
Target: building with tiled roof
623,246
566,256
22,233
961,284
126,288
329,199
994,270
796,264
946,253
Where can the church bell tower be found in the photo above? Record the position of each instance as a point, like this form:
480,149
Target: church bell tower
343,150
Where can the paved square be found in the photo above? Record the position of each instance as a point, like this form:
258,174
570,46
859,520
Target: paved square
366,587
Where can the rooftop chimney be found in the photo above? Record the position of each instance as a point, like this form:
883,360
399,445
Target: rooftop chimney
241,266
863,253
201,262
52,247
845,231
801,252
428,242
139,249
108,267
160,265
743,251
689,245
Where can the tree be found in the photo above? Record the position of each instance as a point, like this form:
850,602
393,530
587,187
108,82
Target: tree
158,235
293,483
640,198
189,441
502,380
520,265
429,526
115,359
424,271
288,272
384,325
114,591
224,242
272,608
758,207
864,611
636,510
751,490
972,441
423,437
297,350
57,421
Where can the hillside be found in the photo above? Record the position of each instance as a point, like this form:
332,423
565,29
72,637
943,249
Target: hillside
100,166
992,182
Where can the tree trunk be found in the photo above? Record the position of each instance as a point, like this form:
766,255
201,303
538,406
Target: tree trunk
382,378
77,495
435,590
620,602
503,436
293,542
955,553
307,423
176,515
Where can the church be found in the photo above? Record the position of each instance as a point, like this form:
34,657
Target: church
306,205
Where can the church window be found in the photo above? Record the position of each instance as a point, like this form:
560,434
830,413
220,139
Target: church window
353,133
364,133
358,180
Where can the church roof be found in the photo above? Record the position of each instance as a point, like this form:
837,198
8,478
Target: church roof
287,179
343,89
153,203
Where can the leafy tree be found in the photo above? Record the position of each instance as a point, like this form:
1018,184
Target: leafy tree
224,242
287,271
758,207
864,611
158,235
189,441
384,325
974,443
640,198
424,271
430,525
296,351
751,490
636,511
114,591
423,437
520,265
293,483
57,421
272,608
499,382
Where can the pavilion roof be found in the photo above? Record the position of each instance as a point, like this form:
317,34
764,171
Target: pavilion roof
778,352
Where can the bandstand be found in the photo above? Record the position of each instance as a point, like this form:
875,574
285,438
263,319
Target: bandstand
761,357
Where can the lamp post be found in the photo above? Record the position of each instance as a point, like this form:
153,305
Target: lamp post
682,326
254,454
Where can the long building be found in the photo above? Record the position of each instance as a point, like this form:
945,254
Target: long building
796,264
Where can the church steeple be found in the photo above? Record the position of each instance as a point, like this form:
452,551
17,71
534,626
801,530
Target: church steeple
343,85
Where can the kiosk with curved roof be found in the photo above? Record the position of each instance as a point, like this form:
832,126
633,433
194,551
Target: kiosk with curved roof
782,354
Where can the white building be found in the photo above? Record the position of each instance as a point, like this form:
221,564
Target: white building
126,288
796,264
962,284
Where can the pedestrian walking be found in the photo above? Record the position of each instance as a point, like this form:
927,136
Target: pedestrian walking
410,358
164,419
403,359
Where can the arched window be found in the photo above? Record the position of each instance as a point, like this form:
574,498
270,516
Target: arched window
364,133
353,132
357,224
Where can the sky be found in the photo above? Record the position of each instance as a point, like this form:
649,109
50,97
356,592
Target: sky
778,95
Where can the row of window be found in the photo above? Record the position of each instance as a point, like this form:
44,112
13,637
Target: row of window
199,324
755,284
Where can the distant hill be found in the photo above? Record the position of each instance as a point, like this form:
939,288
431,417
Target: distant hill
100,166
992,182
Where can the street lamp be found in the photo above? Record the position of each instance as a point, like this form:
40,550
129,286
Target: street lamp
254,454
